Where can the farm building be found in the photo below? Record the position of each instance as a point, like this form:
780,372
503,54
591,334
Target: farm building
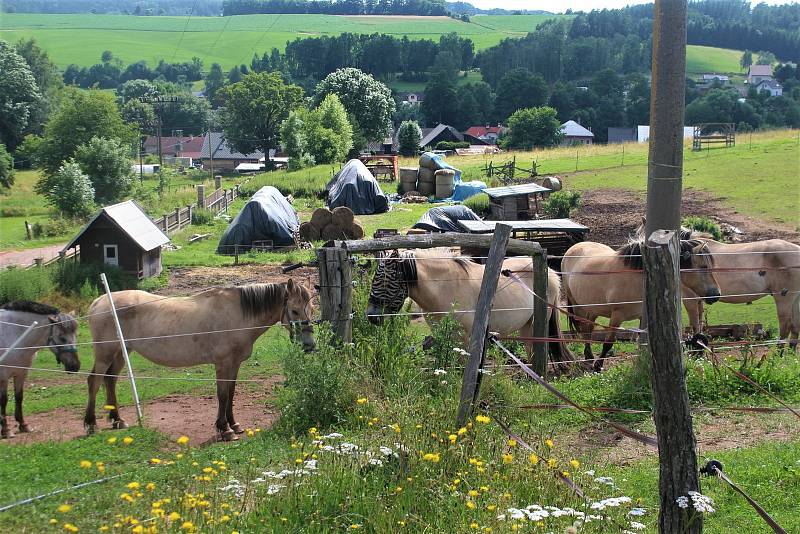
412,97
575,134
224,157
442,132
122,235
174,146
488,134
770,86
759,73
621,135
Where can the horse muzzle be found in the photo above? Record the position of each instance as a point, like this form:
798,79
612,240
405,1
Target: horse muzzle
69,359
712,296
374,314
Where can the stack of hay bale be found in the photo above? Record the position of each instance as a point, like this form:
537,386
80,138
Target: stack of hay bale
326,224
428,179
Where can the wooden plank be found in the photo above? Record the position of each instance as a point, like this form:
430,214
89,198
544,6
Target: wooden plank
516,247
480,324
540,274
540,225
336,291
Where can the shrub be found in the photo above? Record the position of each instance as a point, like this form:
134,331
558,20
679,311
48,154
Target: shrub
107,163
72,278
51,228
451,145
72,191
479,204
25,284
6,168
561,204
703,224
409,136
201,216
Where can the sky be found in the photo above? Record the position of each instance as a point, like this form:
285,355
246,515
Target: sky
559,6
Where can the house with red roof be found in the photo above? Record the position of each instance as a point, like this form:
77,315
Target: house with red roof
488,134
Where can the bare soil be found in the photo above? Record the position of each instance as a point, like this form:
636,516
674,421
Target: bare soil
613,215
26,257
174,415
184,280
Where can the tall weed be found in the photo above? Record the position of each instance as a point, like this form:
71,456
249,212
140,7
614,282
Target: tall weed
25,284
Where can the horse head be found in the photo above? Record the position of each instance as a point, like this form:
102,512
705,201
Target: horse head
389,288
297,312
698,263
62,340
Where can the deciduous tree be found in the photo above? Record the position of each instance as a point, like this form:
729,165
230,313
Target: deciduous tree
519,89
107,163
71,191
531,127
19,95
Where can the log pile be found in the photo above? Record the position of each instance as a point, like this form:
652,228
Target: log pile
327,225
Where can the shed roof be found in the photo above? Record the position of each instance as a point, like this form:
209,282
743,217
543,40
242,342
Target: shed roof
573,129
216,140
429,134
760,70
772,84
513,190
538,225
131,219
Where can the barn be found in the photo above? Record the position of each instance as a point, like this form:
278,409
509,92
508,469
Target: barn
124,236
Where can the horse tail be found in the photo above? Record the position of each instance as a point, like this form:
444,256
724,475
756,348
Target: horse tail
559,351
570,308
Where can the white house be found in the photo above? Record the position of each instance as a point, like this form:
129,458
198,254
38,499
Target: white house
575,134
770,86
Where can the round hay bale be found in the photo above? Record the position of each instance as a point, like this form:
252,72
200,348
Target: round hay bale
342,217
552,183
333,231
426,189
304,230
408,174
426,161
444,183
356,231
314,233
426,176
321,218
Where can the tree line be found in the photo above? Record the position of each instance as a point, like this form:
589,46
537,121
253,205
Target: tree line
337,7
111,72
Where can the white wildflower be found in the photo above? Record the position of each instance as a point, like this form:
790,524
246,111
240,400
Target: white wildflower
682,501
439,372
637,512
637,526
702,503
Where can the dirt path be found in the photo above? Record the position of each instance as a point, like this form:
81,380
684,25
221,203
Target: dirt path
25,257
174,415
183,280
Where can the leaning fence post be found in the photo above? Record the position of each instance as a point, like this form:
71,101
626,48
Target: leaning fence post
673,418
124,348
480,322
336,290
540,274
18,341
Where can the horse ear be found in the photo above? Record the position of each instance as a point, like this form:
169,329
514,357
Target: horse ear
73,313
53,318
290,284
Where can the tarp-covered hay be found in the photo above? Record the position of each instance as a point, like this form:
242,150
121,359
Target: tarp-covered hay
267,216
354,187
445,219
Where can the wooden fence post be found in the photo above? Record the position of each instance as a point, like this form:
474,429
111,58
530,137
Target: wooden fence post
540,274
190,209
673,419
217,182
28,230
480,322
336,290
201,196
225,201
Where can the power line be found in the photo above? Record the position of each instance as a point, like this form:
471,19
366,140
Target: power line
180,41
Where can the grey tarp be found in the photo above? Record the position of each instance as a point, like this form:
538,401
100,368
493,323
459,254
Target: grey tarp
355,187
445,218
267,216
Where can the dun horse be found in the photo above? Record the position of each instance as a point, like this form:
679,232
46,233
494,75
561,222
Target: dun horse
56,330
601,282
438,284
753,270
173,332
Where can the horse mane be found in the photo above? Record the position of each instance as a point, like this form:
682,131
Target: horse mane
408,267
631,253
255,299
29,306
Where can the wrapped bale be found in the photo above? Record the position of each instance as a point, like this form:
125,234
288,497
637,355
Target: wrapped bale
427,162
408,179
321,218
342,217
427,182
445,183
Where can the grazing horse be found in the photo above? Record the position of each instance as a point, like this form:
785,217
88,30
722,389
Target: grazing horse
218,326
602,282
750,270
438,284
56,330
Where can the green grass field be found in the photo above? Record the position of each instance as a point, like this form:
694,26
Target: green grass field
706,59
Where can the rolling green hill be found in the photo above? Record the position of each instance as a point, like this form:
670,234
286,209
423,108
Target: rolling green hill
81,38
700,59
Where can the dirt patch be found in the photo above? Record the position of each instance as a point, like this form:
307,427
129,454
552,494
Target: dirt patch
26,257
187,279
714,432
614,214
174,415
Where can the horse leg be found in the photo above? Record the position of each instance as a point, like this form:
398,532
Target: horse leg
93,382
19,384
4,431
694,309
608,344
236,427
113,370
224,430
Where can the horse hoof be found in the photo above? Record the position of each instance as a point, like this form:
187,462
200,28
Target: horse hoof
7,434
228,435
91,429
119,424
24,428
237,428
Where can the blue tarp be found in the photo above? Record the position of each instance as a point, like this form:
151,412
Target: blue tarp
267,216
462,190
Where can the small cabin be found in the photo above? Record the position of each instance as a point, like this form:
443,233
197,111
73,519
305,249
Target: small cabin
515,202
124,236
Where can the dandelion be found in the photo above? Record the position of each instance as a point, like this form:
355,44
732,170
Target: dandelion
462,431
473,526
174,516
109,407
69,527
85,464
138,529
103,528
134,485
179,455
396,428
111,441
470,505
101,467
187,526
549,443
552,463
575,464
431,457
482,419
452,438
127,440
508,458
155,461
362,400
472,493
64,508
183,440
250,433
150,486
512,443
491,507
533,459
224,518
355,526
53,521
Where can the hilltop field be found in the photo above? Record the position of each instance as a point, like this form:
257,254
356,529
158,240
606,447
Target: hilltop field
230,41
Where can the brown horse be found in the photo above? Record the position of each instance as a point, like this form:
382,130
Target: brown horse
174,332
602,282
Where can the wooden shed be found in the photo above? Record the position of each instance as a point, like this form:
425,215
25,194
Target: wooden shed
124,236
515,202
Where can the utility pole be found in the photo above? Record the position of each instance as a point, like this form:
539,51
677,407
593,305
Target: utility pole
677,453
158,105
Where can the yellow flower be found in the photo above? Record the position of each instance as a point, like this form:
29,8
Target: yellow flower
482,419
354,526
462,431
127,440
549,443
134,485
155,461
187,525
138,529
174,516
487,529
362,400
492,507
103,528
396,428
53,521
431,457
111,441
512,443
565,473
508,458
126,497
179,455
552,463
472,493
470,505
150,486
183,440
398,489
101,467
85,464
64,508
575,464
69,527
473,525
484,488
224,519
533,459
452,438
250,433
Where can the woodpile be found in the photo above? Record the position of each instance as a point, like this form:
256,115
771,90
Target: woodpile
327,225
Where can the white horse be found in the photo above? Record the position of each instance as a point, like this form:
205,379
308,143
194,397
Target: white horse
56,330
439,285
